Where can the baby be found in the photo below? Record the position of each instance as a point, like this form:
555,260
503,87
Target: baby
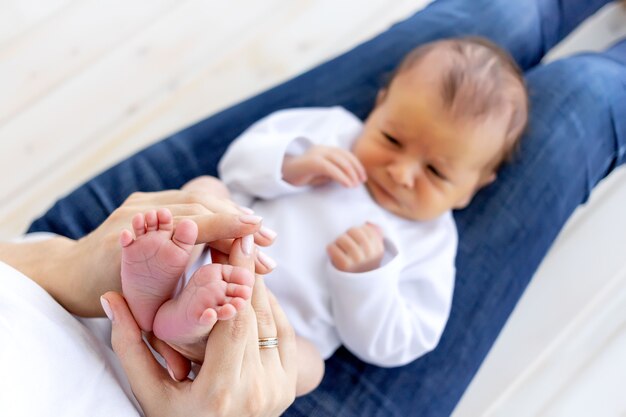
378,196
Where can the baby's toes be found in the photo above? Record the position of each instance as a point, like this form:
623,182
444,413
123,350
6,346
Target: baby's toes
238,275
236,290
165,221
208,317
126,238
139,224
185,234
226,312
238,303
152,222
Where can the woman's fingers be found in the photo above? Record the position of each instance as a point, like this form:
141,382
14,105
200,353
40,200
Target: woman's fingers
229,340
225,349
266,327
214,227
262,309
178,366
161,198
145,375
265,236
286,339
242,253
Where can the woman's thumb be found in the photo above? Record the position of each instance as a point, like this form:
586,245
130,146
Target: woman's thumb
242,252
142,369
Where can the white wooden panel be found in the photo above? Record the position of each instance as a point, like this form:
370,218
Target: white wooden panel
598,389
588,347
17,17
595,34
73,117
66,43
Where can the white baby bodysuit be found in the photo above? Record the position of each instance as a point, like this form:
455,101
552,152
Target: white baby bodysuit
388,316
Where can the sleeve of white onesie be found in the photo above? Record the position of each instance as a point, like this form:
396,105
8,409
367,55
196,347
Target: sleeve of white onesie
394,314
252,165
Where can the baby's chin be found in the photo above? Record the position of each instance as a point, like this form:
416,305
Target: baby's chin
413,214
398,209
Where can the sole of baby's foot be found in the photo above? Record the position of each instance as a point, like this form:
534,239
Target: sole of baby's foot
214,292
153,261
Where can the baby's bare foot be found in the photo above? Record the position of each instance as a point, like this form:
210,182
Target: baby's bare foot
154,261
214,292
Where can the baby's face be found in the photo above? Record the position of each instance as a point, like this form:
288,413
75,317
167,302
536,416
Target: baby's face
421,162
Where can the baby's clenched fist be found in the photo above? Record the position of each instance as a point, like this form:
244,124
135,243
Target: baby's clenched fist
360,249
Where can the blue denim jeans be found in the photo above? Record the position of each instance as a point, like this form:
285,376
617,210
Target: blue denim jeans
576,137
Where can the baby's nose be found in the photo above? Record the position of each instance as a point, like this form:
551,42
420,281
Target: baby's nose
404,174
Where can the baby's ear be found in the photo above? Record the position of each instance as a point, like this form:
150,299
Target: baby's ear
380,97
463,202
486,180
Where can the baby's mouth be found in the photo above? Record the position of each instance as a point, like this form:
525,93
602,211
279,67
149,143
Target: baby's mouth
382,190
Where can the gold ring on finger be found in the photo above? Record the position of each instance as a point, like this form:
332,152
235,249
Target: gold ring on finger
268,343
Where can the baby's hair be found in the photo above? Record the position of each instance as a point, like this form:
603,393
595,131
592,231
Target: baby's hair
481,80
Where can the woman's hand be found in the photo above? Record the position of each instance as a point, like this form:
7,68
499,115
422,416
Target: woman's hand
236,379
95,259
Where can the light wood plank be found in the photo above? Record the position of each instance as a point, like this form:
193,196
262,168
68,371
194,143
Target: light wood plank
64,45
19,16
598,389
114,88
551,382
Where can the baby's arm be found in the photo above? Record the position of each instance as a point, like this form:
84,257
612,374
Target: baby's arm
254,162
393,314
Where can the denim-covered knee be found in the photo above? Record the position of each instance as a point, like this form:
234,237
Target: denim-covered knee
602,79
514,25
597,73
617,52
576,120
560,17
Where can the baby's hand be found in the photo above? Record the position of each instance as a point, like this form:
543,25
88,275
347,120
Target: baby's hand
321,164
360,249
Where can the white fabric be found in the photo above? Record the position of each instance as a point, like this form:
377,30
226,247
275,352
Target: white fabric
52,363
389,316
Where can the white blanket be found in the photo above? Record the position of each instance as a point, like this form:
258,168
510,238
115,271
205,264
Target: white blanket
51,362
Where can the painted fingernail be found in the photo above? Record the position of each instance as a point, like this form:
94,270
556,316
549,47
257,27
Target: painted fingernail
247,244
246,210
250,219
169,371
266,260
268,233
107,308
